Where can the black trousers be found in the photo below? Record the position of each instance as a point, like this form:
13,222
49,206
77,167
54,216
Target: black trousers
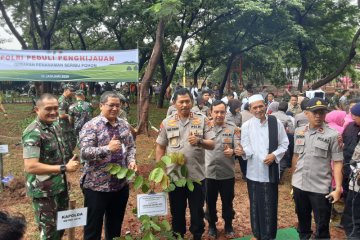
226,190
243,165
178,202
110,204
352,212
286,160
263,209
307,202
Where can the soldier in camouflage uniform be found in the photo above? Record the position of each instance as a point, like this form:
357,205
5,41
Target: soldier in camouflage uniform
45,166
2,108
122,112
79,112
33,94
64,120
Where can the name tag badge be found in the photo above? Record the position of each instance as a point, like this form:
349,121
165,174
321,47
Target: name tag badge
300,141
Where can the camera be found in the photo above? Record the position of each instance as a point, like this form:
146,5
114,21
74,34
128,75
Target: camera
355,168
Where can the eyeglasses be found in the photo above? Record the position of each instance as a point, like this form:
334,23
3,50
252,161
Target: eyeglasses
113,105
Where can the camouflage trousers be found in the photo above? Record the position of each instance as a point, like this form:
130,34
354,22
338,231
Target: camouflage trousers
46,209
70,144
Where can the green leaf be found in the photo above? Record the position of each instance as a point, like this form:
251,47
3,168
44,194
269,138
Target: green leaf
144,218
156,175
130,174
166,159
108,167
190,185
138,182
160,164
172,187
180,182
128,237
197,181
122,173
134,211
148,236
155,226
146,226
115,169
145,188
165,225
184,171
165,182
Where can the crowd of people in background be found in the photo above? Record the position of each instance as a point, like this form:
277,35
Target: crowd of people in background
316,139
320,142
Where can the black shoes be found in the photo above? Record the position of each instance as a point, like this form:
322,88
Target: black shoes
229,232
212,232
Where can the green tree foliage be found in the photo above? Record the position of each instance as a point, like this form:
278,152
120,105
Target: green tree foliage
311,35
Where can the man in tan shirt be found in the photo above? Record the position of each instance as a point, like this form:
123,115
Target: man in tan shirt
188,133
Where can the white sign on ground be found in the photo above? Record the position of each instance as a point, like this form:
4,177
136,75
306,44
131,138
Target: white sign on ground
152,204
71,218
4,148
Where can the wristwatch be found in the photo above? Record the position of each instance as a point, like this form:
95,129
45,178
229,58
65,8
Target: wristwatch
200,142
62,168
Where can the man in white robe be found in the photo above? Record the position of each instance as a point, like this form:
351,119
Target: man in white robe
264,147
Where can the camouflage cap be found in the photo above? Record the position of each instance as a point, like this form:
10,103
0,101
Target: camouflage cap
79,92
122,97
69,86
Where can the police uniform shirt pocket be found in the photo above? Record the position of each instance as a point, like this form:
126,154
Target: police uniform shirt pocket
174,138
321,149
299,145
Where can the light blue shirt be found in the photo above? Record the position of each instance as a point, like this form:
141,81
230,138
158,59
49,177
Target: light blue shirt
255,142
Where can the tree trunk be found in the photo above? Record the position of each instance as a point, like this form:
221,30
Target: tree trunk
226,75
163,68
44,32
166,84
341,68
164,78
12,27
146,81
144,57
81,38
197,71
304,64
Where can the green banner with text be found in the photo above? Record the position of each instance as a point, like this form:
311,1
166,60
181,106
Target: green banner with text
58,65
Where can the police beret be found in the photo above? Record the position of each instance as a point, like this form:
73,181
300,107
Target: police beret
355,110
316,104
79,92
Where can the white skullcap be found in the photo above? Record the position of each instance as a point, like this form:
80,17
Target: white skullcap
255,98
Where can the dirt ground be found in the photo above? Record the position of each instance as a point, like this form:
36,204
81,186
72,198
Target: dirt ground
13,199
